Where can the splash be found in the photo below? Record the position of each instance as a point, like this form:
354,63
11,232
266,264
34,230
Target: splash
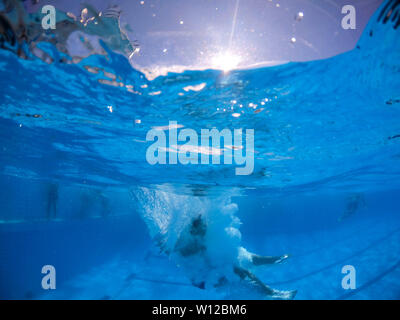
201,235
73,37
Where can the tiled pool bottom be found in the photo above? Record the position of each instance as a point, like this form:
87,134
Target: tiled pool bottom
372,246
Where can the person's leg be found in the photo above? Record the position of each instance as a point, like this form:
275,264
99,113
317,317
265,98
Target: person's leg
48,209
243,274
272,293
263,260
55,208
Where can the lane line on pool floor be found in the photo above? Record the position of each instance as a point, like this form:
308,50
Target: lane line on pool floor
370,246
353,234
370,282
337,262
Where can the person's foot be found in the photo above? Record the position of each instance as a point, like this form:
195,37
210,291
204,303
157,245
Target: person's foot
284,295
282,258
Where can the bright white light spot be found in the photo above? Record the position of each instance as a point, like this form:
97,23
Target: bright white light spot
169,127
155,93
181,22
165,50
135,51
225,61
293,40
299,16
110,108
236,115
142,2
197,87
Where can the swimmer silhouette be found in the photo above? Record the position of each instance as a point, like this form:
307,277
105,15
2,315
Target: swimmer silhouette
354,203
93,200
103,202
85,204
52,198
201,236
192,243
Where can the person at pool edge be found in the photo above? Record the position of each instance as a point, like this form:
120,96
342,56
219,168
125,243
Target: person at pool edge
52,199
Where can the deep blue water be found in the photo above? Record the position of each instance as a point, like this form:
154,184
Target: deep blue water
326,143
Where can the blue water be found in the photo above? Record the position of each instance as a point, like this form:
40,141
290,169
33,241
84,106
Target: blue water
326,140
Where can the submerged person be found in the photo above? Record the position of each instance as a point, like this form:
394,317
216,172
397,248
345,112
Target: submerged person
93,200
52,198
354,203
103,202
201,236
192,244
85,204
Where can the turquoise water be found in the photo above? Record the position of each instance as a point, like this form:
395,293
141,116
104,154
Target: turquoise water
78,193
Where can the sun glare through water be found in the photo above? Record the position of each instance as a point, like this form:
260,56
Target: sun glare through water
226,61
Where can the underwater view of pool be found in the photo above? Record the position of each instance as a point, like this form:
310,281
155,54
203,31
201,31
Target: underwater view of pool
122,178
